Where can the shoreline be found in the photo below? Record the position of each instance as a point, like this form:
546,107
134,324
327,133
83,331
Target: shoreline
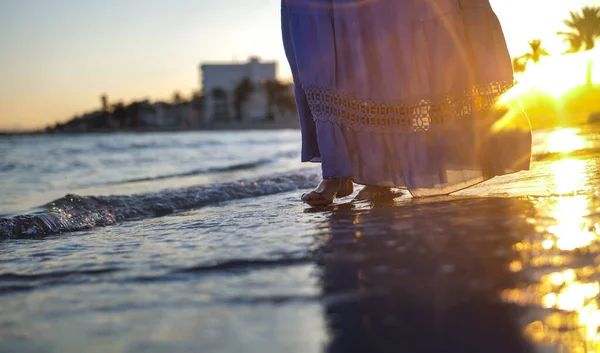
249,126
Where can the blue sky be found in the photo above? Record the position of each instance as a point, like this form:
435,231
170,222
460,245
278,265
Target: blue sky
58,56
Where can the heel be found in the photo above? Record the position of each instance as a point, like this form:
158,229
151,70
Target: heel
346,188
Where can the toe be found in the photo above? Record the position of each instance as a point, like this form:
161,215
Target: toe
316,199
310,196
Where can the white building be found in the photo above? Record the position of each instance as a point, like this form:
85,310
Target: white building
225,78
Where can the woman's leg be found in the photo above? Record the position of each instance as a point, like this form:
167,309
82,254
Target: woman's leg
329,188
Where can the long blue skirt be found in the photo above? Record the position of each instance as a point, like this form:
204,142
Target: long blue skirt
403,93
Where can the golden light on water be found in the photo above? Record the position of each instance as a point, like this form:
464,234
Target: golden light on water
575,325
564,140
565,233
572,230
569,175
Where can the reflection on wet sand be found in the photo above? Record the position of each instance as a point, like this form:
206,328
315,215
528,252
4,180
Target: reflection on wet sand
562,276
416,278
559,260
469,274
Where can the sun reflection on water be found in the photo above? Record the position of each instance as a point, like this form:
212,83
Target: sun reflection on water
569,175
572,229
563,250
565,140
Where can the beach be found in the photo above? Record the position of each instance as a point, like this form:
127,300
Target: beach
197,242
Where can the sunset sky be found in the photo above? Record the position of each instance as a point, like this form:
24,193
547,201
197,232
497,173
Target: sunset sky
58,56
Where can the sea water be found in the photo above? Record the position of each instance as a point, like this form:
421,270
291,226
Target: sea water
197,242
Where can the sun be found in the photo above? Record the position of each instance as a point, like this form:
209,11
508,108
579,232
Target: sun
556,75
554,92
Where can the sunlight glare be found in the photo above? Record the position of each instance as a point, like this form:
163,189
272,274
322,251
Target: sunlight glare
564,141
572,230
571,296
569,175
558,74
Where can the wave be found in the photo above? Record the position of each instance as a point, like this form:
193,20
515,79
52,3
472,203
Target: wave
126,146
73,212
7,167
245,264
172,144
229,168
55,275
16,282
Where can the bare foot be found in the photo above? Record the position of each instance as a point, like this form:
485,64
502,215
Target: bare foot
376,193
328,190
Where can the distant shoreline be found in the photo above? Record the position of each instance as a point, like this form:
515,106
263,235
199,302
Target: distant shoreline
232,126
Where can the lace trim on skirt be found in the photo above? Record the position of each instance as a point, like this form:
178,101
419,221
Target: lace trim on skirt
329,105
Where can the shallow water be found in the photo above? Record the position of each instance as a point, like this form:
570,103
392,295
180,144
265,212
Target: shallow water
208,250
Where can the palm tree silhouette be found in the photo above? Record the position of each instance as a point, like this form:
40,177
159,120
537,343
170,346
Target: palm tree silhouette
536,53
177,98
273,89
584,31
280,97
519,65
287,100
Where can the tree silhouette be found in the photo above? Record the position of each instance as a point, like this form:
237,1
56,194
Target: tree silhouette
104,100
132,112
241,93
278,96
519,65
177,99
536,52
584,31
119,114
286,101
